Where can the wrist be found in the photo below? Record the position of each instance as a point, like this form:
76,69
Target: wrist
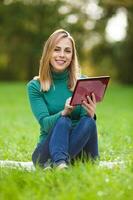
63,113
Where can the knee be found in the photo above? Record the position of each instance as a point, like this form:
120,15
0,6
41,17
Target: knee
64,121
89,123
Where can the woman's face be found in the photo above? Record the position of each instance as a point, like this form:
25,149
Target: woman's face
62,55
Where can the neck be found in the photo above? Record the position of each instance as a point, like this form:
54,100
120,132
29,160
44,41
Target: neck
60,75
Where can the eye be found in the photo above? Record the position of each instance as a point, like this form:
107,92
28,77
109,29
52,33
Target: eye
56,49
68,51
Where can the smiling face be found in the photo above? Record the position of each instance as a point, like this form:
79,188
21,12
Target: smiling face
62,55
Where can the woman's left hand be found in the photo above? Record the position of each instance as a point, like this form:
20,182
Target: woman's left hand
90,105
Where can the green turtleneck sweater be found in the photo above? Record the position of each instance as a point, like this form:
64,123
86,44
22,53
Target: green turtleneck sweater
47,106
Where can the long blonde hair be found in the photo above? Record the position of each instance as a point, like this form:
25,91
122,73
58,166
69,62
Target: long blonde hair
45,77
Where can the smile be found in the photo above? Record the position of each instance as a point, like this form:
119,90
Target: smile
60,62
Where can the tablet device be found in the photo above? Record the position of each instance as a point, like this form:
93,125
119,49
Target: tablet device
86,86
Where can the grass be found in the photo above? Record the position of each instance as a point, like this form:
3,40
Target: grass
18,136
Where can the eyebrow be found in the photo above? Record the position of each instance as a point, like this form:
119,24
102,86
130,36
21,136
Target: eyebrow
65,47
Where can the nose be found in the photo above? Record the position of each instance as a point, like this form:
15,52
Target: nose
61,53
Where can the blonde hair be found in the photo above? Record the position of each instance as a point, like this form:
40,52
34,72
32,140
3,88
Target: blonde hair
45,77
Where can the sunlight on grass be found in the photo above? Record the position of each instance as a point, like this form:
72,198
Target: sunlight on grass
19,133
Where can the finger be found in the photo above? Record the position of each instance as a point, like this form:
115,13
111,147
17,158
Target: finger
85,108
88,111
90,102
93,98
89,99
89,106
69,107
68,103
69,99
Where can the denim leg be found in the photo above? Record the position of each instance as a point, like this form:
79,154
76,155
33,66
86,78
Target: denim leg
59,141
85,133
63,140
41,153
91,147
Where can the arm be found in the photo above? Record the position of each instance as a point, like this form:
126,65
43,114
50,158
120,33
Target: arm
39,107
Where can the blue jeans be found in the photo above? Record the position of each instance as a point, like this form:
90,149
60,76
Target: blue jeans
65,143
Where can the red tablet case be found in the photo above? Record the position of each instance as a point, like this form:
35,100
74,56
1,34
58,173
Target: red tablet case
86,86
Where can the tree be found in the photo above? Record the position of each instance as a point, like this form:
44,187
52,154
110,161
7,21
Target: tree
25,27
117,56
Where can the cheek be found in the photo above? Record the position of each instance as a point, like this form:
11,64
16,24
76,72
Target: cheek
51,61
53,55
69,58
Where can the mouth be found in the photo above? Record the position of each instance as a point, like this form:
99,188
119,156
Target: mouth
60,62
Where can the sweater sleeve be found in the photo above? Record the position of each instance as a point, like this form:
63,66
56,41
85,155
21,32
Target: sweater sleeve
39,107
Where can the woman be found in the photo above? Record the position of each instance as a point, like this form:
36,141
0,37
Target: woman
66,131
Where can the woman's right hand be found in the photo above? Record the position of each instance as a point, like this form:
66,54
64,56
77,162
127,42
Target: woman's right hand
68,108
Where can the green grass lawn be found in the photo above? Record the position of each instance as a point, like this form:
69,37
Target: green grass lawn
19,134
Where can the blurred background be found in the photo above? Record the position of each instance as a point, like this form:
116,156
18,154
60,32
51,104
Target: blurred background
102,29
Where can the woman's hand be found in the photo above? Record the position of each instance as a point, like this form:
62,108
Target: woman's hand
90,105
67,109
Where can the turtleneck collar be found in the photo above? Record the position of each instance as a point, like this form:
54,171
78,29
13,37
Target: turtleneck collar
60,75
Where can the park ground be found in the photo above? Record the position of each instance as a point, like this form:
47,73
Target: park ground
18,136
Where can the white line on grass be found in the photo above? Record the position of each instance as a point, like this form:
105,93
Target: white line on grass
30,167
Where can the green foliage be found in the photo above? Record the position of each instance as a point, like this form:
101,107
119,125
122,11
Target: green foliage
124,53
24,29
26,24
24,32
80,182
18,137
116,58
